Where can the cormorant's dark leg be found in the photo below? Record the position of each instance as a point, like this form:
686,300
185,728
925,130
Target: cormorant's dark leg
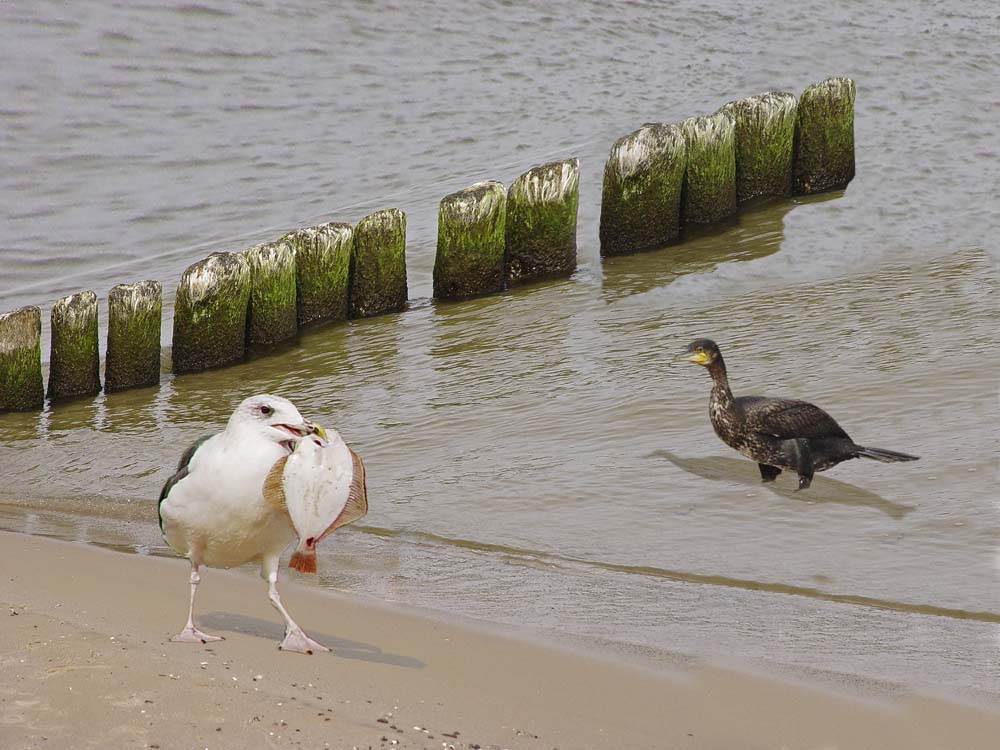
768,473
802,451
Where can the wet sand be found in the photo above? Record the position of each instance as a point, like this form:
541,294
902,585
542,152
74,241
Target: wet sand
86,662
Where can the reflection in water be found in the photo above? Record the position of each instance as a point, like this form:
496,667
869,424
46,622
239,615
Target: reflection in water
78,413
132,411
19,427
823,489
754,232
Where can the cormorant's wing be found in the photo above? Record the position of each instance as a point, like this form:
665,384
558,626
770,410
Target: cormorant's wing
787,418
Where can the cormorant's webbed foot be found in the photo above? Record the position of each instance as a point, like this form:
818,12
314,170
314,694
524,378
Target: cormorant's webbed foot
804,481
768,473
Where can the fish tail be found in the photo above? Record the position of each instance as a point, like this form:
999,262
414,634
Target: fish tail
303,560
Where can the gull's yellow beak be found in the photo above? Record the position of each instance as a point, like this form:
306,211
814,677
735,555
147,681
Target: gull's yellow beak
318,430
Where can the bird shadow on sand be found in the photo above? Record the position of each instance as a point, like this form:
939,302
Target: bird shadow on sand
823,490
274,631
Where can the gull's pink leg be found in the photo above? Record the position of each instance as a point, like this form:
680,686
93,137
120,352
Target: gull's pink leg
191,634
295,639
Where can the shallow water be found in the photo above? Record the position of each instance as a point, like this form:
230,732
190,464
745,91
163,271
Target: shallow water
535,457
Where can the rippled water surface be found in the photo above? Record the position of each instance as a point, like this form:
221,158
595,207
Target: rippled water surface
535,457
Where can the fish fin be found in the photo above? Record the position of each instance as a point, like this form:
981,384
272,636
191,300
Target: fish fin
304,561
274,493
357,498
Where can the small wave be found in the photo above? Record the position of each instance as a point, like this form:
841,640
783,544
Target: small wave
552,560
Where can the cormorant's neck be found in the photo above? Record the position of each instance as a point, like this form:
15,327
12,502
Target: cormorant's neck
718,372
720,390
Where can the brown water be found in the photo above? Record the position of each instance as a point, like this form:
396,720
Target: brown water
534,457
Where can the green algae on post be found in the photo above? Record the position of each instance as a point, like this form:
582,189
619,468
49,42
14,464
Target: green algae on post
824,137
272,315
765,135
21,387
322,271
710,179
378,276
210,313
541,221
470,242
640,201
133,354
75,364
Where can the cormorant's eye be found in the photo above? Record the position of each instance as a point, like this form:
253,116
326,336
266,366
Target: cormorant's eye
266,410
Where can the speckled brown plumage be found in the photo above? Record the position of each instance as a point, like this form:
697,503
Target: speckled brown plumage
778,433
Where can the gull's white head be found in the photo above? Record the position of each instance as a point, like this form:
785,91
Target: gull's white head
272,418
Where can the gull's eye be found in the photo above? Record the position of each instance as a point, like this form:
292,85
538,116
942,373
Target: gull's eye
266,410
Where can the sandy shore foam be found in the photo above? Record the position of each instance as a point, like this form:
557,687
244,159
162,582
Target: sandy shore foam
85,662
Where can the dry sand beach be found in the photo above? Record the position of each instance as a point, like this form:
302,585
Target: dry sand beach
86,664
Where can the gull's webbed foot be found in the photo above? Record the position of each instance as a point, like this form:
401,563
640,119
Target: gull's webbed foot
191,634
297,641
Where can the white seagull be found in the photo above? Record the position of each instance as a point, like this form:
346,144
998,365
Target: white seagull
214,510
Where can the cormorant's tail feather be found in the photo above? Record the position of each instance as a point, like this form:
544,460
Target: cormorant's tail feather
881,454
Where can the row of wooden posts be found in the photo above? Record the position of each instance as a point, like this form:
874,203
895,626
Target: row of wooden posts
657,180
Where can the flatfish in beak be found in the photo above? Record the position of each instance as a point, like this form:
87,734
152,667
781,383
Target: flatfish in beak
321,486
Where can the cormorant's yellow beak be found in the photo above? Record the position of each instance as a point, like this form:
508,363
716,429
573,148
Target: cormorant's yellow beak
695,357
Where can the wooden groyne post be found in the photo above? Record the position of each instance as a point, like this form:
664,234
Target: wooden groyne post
210,313
132,359
541,221
322,271
765,136
643,177
75,360
710,176
470,241
272,315
21,387
378,280
824,137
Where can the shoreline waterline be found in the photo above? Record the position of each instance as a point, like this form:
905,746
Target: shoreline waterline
124,527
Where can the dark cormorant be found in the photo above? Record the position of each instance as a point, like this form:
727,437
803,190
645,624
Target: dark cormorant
777,433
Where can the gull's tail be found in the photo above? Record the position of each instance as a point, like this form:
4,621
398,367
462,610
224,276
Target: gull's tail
886,457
